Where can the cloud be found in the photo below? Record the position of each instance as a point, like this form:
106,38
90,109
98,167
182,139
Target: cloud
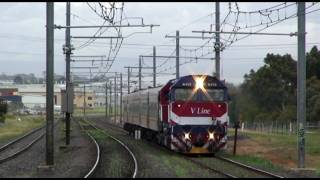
23,30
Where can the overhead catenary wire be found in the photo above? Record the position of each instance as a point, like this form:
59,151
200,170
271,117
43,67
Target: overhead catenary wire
205,48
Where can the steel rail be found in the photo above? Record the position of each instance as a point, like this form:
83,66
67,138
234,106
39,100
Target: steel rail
123,145
22,150
117,128
248,167
20,138
25,148
89,174
94,167
210,168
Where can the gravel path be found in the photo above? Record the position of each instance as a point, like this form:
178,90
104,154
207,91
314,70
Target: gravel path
73,161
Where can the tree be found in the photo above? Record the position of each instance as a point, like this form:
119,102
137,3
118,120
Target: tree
270,92
313,99
273,86
233,110
313,63
3,110
18,79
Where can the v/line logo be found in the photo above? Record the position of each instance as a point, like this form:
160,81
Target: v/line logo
200,111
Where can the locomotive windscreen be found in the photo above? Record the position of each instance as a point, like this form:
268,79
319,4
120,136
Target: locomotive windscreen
185,95
216,95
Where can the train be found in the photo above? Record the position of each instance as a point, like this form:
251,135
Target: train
186,115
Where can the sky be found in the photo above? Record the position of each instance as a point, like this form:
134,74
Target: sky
23,37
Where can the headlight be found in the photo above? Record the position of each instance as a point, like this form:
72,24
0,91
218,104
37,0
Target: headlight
199,83
187,136
211,135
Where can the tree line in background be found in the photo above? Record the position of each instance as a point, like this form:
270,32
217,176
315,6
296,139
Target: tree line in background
270,93
32,79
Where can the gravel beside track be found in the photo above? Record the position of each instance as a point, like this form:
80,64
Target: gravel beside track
14,148
73,161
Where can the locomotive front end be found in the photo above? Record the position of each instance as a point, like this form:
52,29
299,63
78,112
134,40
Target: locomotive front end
199,115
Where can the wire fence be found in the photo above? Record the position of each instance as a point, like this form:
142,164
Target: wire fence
275,127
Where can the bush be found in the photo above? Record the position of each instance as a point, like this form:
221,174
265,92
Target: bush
2,118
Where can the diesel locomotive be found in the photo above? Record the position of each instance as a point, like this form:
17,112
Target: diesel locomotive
188,114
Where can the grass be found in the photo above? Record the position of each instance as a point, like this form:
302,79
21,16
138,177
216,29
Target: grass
288,141
117,163
79,111
318,172
178,168
254,161
181,167
282,147
13,127
98,135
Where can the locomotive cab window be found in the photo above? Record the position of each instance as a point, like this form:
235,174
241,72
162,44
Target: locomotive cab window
213,95
185,95
217,95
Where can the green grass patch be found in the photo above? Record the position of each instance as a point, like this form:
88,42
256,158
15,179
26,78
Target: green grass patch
285,141
16,126
285,145
100,110
115,169
181,167
254,161
318,172
98,135
179,170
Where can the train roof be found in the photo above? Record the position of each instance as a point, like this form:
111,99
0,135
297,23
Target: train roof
186,82
189,81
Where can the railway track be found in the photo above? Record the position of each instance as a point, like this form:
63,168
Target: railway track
20,145
259,171
202,165
94,167
237,169
135,171
245,169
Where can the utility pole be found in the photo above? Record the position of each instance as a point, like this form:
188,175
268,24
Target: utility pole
121,98
67,51
106,100
115,97
177,55
128,80
84,101
217,44
49,88
301,79
140,72
154,66
110,102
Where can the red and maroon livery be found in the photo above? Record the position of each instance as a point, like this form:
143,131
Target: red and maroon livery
188,115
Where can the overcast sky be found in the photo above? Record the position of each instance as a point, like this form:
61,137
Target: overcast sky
23,42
